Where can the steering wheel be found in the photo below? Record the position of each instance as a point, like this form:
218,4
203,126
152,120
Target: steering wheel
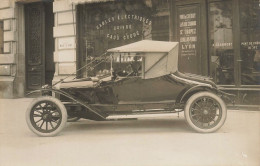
122,73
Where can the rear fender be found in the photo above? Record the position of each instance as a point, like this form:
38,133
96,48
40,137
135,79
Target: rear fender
229,98
194,90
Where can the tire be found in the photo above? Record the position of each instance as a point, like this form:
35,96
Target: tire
205,112
46,116
73,119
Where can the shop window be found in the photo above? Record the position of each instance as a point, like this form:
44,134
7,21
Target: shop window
1,37
160,21
250,42
112,24
221,42
160,28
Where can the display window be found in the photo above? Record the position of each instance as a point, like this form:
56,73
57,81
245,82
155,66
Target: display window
250,42
221,52
112,24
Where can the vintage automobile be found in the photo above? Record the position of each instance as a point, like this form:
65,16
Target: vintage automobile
141,79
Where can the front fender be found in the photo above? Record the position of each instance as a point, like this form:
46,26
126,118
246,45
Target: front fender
78,101
45,90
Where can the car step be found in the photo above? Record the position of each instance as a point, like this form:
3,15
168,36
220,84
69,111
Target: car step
134,116
121,119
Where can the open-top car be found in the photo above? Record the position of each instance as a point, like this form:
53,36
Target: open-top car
138,79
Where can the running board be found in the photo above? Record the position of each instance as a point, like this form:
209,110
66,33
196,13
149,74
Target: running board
134,116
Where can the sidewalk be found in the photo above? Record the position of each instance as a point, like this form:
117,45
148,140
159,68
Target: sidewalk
145,142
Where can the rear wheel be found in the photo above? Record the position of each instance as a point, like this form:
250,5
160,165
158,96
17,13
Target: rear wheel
46,116
205,112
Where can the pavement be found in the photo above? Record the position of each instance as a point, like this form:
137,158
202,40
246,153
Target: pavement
166,141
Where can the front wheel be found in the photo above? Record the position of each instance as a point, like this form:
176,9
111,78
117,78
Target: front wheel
205,112
46,116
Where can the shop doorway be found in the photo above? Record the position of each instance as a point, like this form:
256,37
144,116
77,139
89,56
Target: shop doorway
39,44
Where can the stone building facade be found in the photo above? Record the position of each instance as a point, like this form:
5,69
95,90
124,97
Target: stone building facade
8,54
42,41
18,76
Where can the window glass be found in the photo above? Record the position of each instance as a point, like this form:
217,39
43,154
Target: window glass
250,41
113,24
160,28
1,38
221,42
125,66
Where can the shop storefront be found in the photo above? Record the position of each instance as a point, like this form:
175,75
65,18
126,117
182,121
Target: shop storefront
217,38
234,47
221,39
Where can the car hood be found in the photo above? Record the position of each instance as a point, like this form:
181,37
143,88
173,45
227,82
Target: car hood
89,82
77,84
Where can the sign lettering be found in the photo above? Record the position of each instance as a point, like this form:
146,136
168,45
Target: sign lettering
66,43
188,30
124,26
251,45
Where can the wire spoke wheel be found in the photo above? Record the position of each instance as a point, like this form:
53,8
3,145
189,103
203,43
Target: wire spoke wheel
46,116
205,112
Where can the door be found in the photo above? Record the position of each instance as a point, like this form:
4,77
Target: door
39,22
35,47
190,30
137,89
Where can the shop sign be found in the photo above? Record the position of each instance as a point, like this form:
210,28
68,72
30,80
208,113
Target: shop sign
124,26
222,44
66,43
188,30
251,45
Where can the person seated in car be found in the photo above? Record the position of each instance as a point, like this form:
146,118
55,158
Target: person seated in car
135,66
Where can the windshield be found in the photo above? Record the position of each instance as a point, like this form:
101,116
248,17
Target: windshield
118,65
124,65
99,67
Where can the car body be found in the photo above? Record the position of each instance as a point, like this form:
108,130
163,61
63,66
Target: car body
140,79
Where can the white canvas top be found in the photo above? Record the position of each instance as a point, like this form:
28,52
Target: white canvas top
145,46
160,58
